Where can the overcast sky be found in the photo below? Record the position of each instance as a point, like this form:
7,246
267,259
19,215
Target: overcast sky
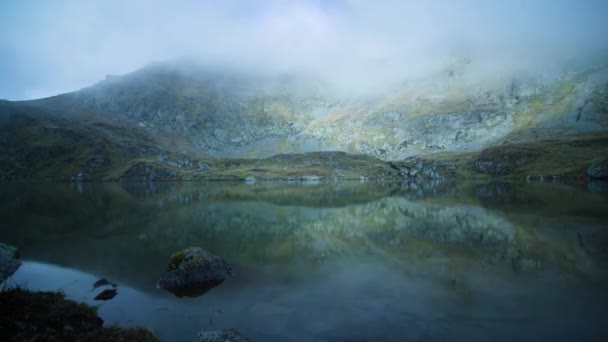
50,47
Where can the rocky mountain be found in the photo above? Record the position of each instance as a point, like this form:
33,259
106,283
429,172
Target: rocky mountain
169,117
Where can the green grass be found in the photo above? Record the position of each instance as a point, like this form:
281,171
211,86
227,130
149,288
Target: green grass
567,156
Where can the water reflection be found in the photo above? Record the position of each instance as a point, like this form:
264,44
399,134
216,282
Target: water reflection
370,260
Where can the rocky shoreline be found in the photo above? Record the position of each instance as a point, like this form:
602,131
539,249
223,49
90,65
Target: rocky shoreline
570,157
31,316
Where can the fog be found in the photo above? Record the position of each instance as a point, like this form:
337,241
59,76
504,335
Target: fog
52,47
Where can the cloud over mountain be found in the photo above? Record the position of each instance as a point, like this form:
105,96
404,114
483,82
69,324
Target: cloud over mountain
52,47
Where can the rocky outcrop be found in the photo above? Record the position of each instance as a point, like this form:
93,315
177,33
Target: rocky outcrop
228,335
501,161
146,172
194,271
8,261
425,169
222,114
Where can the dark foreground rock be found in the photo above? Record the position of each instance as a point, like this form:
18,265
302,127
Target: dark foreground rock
8,261
229,335
193,271
48,316
598,170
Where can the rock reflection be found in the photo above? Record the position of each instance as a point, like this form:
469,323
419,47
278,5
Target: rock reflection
194,290
436,229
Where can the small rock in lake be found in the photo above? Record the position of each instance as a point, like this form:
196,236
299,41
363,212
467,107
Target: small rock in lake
228,335
103,282
193,271
106,294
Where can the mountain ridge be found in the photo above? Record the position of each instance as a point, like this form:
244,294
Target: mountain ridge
163,114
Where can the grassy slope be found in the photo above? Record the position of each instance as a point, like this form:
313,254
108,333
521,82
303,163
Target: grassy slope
286,166
54,149
567,156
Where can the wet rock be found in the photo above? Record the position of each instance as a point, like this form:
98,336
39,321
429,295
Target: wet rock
193,271
106,294
8,261
103,282
598,170
250,179
228,335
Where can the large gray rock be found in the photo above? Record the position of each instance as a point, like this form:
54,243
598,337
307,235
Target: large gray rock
8,261
194,271
228,335
598,170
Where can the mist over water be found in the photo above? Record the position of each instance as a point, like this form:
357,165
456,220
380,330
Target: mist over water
360,46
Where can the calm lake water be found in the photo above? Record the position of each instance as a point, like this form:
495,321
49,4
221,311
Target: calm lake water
328,262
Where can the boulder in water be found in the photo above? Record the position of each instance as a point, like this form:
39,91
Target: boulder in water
194,271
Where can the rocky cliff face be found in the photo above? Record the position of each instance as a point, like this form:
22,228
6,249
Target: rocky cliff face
229,115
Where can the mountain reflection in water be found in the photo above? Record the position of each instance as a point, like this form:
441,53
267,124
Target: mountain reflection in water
343,261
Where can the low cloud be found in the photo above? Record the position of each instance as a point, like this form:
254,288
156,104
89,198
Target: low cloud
53,47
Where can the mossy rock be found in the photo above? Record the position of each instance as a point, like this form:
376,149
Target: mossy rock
176,260
194,271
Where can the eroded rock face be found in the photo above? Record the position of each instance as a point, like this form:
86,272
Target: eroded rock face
8,261
598,170
194,271
223,113
228,335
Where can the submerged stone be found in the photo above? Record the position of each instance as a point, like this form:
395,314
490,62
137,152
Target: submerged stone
193,271
8,261
228,335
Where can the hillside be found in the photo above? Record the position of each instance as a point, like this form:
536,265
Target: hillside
175,121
